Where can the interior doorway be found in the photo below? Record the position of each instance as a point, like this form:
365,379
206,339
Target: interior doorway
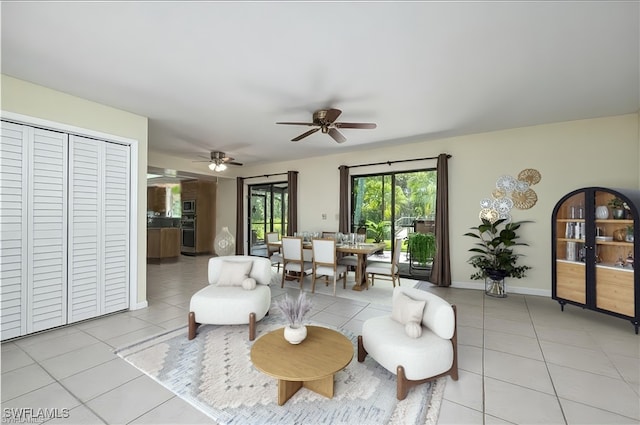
268,206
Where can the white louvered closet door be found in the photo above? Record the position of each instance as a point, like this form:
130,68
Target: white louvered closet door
13,230
99,228
116,231
47,231
33,211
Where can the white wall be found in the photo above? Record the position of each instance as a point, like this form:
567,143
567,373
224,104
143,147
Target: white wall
21,97
569,155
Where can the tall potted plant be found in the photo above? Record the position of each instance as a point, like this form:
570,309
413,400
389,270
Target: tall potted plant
494,256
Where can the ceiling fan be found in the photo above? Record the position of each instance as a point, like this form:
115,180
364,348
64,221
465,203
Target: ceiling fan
324,119
218,161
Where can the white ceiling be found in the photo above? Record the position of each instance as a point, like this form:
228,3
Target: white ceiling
218,75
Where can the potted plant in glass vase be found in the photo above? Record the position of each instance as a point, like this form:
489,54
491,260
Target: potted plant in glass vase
294,311
495,258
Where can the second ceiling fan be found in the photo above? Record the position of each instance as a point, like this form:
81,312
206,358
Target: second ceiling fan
325,120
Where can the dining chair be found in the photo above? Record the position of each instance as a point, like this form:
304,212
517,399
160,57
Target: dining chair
293,260
325,263
273,248
391,271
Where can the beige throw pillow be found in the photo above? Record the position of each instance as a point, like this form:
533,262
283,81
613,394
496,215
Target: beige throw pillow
407,310
233,273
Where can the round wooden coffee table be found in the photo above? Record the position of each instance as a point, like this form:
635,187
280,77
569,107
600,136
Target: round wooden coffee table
310,364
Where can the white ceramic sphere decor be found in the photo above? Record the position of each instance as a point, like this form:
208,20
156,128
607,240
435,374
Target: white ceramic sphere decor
224,244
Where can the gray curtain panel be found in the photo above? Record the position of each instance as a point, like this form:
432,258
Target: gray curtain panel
292,211
240,216
343,215
441,270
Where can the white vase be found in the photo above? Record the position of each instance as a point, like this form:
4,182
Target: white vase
224,244
295,335
602,212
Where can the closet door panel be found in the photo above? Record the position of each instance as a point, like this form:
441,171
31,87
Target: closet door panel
13,230
116,228
85,209
47,231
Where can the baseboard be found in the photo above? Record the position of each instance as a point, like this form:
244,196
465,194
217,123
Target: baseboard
138,306
510,289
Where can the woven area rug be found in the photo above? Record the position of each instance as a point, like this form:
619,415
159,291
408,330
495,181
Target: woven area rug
214,373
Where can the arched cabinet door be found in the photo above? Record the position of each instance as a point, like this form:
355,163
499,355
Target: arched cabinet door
594,247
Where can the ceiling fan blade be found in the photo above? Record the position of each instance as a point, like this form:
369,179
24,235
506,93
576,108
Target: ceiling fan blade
207,160
296,123
332,115
337,136
303,135
234,163
354,125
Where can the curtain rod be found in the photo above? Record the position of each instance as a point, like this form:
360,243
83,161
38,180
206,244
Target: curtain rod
393,162
265,175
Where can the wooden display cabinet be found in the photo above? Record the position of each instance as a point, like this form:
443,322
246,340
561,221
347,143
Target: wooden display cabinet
593,253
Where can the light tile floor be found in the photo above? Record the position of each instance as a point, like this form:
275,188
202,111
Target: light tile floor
521,359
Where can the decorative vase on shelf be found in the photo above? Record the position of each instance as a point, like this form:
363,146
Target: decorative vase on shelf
618,213
602,212
224,243
295,335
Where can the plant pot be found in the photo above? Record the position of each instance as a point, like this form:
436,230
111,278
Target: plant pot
618,213
295,335
495,287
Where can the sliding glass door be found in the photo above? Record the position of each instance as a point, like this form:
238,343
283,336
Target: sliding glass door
393,205
268,205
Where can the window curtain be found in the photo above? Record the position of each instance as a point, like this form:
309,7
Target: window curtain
343,215
240,216
292,213
441,270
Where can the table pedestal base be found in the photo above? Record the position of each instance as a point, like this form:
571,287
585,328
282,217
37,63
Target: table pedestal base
286,389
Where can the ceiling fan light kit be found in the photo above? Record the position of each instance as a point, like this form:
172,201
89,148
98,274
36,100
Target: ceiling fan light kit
324,120
218,161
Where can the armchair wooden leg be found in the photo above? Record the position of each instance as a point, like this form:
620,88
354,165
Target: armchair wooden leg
362,353
403,384
252,326
193,325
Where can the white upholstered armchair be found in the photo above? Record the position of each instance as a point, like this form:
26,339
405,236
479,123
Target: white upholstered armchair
238,293
417,342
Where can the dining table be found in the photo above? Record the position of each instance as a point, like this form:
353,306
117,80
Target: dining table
360,250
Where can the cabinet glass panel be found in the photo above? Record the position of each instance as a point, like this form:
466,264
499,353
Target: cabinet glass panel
571,229
613,246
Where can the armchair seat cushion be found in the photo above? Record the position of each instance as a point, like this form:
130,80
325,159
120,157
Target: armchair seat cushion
387,342
230,305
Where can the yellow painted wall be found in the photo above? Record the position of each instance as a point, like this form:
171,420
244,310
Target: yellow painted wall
32,100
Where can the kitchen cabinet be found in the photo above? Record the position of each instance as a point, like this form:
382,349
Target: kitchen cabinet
203,192
163,243
593,253
157,199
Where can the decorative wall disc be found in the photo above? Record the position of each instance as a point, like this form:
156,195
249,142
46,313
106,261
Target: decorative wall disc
530,176
503,205
498,193
506,183
506,217
486,203
524,200
489,214
522,186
